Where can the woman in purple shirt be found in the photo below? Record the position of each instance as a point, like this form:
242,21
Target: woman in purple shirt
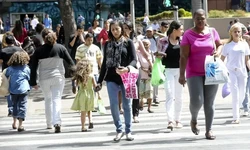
198,42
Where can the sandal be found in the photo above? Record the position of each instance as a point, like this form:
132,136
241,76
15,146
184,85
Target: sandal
20,129
135,120
235,122
84,130
170,126
150,111
91,125
209,135
121,111
13,126
194,127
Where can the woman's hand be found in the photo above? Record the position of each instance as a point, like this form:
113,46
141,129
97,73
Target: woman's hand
122,70
182,80
98,87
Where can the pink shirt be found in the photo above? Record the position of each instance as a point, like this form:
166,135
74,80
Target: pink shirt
200,46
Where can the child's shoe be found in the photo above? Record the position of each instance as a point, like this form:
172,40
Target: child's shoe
57,128
91,125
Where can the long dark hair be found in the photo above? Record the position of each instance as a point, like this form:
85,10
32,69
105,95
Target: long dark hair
130,27
110,35
18,29
174,25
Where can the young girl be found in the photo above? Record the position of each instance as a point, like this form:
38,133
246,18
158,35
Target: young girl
84,100
18,74
236,51
145,71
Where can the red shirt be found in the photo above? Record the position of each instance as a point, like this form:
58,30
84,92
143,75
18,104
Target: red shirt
104,36
23,36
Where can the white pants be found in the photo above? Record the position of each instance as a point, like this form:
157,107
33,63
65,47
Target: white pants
237,84
173,90
52,90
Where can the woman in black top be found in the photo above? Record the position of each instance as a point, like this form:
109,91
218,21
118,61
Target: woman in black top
173,88
119,55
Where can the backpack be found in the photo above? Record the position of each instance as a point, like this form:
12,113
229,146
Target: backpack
4,84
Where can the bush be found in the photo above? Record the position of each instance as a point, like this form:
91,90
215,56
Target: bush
239,13
217,14
166,14
181,12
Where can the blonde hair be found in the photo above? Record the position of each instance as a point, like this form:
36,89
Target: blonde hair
233,27
19,58
4,44
83,70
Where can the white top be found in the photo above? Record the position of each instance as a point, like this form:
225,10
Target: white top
153,45
155,26
236,53
34,22
146,19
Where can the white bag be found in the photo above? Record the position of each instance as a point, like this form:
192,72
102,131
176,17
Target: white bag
4,84
215,71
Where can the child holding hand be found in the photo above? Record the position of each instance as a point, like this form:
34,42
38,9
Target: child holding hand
84,100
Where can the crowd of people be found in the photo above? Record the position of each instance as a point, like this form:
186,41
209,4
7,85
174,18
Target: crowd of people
30,60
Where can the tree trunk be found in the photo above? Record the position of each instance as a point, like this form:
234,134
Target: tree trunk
68,19
69,25
196,4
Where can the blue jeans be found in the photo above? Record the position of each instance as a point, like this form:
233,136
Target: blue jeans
113,90
10,104
245,102
19,105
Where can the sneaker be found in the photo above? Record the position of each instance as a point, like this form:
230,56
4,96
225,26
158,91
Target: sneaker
57,128
118,136
178,125
235,122
129,137
245,114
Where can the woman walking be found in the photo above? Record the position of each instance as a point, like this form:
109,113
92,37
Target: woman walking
119,56
173,88
51,76
198,42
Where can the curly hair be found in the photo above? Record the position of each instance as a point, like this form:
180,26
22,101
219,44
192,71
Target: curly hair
83,70
19,58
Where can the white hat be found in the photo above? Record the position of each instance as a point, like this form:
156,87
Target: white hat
149,28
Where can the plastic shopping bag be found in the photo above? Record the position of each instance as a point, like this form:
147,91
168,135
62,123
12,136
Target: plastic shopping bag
158,76
4,84
129,81
101,107
215,71
225,90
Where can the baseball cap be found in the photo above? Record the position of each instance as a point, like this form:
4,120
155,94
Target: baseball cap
149,28
165,24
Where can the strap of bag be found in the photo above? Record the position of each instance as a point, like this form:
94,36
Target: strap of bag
212,35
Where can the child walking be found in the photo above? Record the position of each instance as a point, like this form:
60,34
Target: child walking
84,100
237,53
18,74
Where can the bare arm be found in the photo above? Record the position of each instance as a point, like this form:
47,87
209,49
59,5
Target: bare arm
247,62
184,54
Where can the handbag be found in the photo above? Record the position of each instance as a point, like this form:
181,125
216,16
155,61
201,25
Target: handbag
101,107
215,71
129,81
4,84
